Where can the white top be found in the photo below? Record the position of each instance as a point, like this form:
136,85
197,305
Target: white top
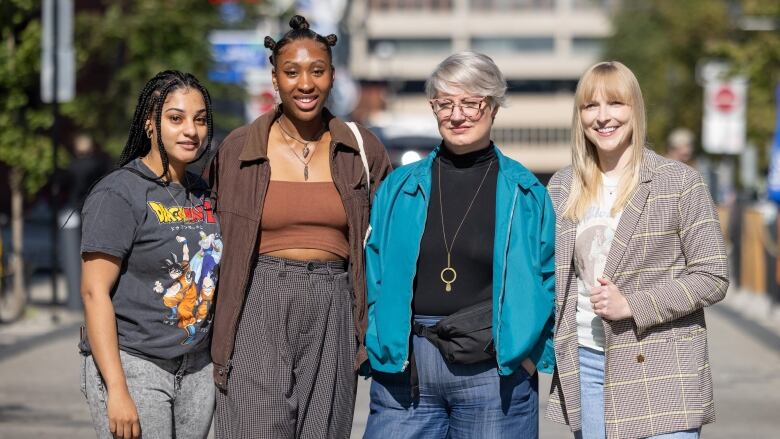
594,239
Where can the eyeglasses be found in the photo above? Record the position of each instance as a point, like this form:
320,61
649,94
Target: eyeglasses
470,107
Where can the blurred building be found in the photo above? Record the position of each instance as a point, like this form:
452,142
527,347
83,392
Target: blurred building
542,46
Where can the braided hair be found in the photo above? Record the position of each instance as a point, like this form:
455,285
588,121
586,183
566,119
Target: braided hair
300,30
150,104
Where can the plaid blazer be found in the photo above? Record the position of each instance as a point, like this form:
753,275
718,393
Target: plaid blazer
669,260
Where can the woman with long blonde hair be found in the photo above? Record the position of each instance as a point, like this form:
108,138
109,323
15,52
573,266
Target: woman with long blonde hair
639,254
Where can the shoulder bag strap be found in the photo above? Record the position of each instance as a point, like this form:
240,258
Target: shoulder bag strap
353,126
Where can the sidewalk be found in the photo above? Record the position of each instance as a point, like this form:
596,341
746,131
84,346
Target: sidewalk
41,320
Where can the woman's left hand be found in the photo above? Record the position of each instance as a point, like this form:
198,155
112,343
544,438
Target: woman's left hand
608,303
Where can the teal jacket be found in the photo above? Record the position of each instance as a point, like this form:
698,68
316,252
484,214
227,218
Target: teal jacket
523,266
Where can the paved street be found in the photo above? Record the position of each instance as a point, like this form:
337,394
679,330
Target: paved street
40,397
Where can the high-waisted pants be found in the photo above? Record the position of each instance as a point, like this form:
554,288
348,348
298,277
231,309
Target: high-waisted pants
292,370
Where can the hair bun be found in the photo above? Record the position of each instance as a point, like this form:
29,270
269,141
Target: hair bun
298,22
331,39
269,43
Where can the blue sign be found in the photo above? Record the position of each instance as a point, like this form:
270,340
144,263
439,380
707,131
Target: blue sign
773,183
234,52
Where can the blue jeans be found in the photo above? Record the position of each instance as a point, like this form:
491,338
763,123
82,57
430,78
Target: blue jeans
174,398
592,400
456,400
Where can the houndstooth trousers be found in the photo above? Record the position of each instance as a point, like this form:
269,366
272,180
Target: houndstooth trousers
292,373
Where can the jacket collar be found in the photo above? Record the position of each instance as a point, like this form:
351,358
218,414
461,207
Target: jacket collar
507,168
256,143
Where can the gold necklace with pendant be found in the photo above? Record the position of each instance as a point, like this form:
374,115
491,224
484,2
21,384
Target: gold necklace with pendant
448,273
308,147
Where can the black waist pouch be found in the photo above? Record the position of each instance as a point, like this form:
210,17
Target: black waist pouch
464,337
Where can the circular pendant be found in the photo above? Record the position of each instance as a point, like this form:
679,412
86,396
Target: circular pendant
444,274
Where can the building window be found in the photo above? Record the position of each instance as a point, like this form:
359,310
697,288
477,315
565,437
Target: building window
588,46
532,135
604,5
401,5
506,46
388,48
512,5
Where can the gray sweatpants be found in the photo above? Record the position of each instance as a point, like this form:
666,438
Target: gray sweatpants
292,373
174,398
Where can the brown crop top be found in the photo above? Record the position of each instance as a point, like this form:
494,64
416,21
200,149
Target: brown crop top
303,215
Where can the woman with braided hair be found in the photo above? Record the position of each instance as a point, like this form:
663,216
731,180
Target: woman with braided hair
149,239
293,191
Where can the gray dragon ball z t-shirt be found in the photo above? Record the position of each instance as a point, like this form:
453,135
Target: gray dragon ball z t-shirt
169,242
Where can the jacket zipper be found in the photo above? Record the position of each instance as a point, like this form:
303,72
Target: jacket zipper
411,297
503,276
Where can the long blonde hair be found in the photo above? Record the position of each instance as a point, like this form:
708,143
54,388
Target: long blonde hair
615,81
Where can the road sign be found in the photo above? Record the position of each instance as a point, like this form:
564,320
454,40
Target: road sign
725,101
234,53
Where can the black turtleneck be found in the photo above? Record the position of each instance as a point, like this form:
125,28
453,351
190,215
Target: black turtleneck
472,252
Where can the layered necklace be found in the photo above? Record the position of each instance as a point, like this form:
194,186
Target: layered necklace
308,147
448,273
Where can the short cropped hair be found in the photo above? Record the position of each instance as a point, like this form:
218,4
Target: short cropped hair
471,72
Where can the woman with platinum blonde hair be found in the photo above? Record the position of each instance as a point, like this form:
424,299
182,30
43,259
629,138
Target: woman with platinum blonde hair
639,254
457,327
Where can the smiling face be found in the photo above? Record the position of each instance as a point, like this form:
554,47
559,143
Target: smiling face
463,132
183,127
607,123
303,75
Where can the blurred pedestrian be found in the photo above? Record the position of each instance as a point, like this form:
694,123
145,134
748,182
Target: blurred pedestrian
84,169
460,277
680,147
293,191
630,341
150,251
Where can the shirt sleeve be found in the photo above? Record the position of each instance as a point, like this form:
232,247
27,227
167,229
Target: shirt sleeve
108,224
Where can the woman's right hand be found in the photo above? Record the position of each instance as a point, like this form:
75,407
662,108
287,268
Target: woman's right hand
123,419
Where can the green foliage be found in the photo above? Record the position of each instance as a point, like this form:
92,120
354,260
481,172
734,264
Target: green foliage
24,144
663,41
122,45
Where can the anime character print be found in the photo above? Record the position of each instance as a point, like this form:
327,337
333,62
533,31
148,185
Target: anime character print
204,264
182,296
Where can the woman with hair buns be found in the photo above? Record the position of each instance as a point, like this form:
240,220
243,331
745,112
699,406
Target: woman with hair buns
639,254
293,191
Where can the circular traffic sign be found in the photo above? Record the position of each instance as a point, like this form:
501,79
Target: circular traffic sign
725,99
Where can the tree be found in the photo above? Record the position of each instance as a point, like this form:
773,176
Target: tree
122,44
756,53
664,41
24,147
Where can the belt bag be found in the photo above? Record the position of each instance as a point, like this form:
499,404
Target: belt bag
464,337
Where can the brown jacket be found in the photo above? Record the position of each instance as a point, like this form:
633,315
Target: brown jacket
239,176
669,260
